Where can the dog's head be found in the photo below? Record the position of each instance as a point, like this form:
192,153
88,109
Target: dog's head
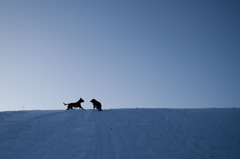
93,100
81,100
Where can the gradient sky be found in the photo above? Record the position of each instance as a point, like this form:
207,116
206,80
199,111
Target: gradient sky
125,53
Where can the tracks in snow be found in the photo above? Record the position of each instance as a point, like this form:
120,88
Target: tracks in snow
123,133
101,146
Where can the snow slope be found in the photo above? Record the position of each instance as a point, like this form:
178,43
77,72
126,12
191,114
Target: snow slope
121,134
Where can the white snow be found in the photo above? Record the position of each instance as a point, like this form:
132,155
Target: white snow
121,134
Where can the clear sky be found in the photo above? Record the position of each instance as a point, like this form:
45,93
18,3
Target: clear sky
125,53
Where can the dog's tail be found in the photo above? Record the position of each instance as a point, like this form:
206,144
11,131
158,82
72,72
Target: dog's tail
64,103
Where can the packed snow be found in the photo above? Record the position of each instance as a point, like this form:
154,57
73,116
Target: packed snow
121,134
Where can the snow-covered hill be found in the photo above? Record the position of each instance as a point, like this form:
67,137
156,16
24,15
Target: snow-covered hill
121,134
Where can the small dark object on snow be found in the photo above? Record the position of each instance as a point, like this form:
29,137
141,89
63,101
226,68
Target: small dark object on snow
96,104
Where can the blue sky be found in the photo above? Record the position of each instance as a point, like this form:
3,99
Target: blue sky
126,54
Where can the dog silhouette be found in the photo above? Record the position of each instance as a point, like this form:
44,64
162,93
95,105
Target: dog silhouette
96,104
76,104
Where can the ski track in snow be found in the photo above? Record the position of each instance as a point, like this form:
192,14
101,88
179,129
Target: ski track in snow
101,146
121,134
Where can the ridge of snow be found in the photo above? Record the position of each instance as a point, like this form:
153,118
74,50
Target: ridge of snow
121,133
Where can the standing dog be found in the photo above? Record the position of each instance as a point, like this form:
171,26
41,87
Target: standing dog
77,104
96,104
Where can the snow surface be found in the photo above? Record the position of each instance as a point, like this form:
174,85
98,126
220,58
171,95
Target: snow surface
121,134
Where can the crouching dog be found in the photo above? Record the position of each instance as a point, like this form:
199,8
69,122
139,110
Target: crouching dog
96,104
